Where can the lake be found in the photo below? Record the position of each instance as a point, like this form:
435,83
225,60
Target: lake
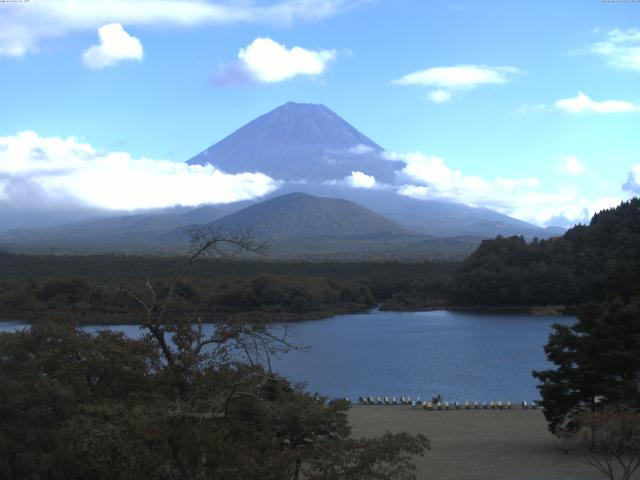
459,355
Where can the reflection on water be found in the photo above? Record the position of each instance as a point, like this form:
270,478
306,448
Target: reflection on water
461,356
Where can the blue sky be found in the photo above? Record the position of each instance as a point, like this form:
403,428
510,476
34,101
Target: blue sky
511,130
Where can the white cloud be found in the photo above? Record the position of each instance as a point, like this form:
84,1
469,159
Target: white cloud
265,60
621,49
571,166
24,26
461,77
583,104
65,170
357,179
115,45
361,149
428,177
361,180
440,96
429,174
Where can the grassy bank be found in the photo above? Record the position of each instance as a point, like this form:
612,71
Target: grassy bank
478,444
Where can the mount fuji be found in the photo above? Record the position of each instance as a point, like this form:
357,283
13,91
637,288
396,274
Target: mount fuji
311,151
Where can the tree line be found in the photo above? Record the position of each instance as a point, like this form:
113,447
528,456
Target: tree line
34,287
589,262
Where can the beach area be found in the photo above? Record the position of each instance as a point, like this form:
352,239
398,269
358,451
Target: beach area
477,444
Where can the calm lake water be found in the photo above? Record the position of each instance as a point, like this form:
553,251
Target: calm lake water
461,356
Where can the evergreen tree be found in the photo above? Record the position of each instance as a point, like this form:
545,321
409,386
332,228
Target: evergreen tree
597,363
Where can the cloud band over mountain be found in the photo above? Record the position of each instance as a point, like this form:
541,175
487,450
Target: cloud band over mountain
65,171
312,147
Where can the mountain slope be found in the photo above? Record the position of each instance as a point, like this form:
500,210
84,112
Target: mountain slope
299,141
588,263
128,231
428,217
298,225
294,225
310,142
297,215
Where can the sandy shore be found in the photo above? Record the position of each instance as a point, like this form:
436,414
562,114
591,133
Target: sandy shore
478,444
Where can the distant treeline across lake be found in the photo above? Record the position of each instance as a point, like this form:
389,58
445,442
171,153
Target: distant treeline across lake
83,287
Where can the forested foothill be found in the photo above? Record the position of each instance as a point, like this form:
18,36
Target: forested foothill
588,263
35,286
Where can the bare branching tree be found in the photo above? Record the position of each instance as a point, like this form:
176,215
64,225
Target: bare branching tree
610,437
217,386
179,332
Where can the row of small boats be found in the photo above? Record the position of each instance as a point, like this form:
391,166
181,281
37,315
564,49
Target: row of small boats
437,404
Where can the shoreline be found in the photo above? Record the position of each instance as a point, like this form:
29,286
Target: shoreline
291,317
547,310
90,319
